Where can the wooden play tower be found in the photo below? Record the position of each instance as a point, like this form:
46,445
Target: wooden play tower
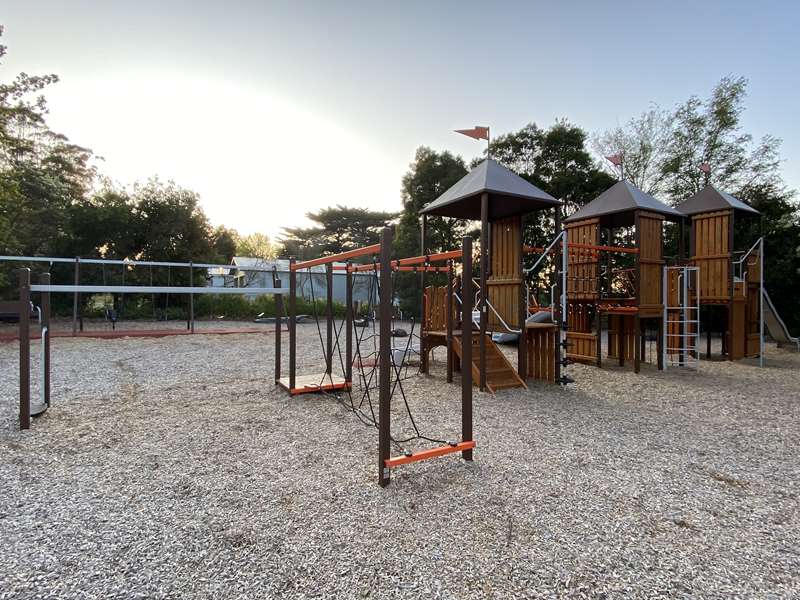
731,278
498,198
622,283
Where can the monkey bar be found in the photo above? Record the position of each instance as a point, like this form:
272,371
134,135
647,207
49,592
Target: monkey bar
578,247
424,259
342,256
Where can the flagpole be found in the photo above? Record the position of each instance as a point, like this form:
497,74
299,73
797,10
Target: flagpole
488,143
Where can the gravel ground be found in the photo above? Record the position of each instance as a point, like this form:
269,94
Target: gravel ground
174,468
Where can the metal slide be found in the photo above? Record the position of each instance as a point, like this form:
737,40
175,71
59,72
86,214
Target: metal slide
775,325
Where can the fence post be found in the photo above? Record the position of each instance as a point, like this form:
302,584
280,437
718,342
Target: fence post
190,324
466,346
76,298
24,349
384,358
45,279
292,322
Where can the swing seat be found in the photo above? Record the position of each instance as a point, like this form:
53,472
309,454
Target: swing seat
311,384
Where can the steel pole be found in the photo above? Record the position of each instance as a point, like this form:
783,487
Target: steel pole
384,358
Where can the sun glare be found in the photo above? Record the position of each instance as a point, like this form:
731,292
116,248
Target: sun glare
258,160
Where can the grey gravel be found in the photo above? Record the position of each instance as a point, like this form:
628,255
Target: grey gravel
174,467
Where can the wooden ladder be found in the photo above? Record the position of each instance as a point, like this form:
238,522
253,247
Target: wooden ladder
499,372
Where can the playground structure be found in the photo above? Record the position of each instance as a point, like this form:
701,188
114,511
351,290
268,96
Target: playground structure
730,280
499,199
625,284
592,277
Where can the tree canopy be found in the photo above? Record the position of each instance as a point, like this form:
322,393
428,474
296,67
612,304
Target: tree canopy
338,229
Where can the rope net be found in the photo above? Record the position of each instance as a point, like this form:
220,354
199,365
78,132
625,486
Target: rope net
361,398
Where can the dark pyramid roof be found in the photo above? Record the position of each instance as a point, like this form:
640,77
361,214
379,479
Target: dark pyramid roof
509,195
710,199
616,205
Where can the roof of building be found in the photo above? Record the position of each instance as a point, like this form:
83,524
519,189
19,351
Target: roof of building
509,195
710,199
615,206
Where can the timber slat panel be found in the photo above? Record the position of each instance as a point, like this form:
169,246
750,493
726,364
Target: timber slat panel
583,263
712,254
505,276
541,342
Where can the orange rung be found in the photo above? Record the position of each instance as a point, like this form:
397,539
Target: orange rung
396,461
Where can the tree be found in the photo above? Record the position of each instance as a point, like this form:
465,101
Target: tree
172,226
429,175
339,228
642,144
555,160
225,242
709,131
256,244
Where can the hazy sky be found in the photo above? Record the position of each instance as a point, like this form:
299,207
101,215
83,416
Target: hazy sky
272,109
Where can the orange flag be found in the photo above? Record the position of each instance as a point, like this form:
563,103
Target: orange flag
477,132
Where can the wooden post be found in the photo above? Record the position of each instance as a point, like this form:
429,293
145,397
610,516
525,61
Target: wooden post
329,319
348,315
24,349
681,241
423,232
660,344
637,323
558,318
292,323
449,322
730,345
384,358
76,299
482,307
423,338
708,332
522,342
620,319
599,316
190,324
45,280
276,282
466,346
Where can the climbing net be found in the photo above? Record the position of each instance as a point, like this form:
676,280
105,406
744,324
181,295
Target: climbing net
360,396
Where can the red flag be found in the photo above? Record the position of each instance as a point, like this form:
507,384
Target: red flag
477,132
705,167
615,159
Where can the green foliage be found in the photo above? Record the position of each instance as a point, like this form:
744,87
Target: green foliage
339,229
555,160
256,245
428,177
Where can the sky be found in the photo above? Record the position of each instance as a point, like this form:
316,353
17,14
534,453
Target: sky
270,110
